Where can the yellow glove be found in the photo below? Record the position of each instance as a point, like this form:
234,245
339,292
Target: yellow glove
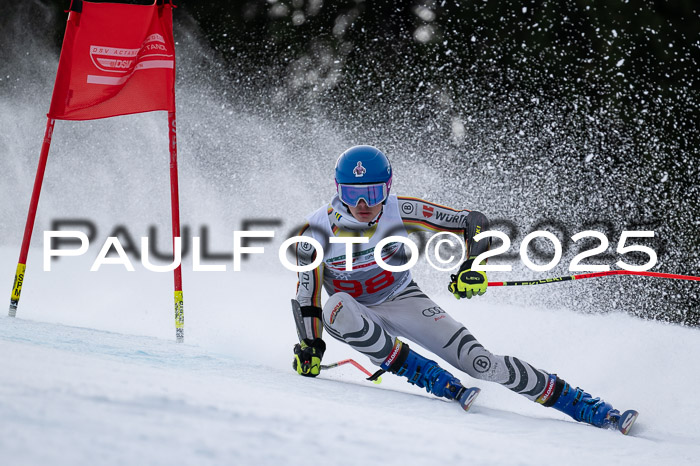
307,357
467,282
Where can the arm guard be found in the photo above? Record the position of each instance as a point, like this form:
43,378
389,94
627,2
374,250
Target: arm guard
309,288
476,223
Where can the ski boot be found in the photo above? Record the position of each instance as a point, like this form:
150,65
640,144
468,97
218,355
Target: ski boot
426,374
584,408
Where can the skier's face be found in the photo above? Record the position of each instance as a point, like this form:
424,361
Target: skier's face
363,212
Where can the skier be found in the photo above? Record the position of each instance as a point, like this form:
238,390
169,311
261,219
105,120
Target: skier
369,307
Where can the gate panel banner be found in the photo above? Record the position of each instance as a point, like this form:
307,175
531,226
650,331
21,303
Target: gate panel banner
116,59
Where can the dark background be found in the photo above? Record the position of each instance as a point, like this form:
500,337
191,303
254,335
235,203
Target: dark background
562,115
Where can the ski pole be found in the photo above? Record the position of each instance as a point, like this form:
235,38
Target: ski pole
301,332
354,363
594,275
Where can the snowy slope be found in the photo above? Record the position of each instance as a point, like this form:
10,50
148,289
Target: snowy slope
90,374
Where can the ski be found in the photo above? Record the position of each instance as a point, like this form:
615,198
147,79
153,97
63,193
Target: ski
467,397
624,422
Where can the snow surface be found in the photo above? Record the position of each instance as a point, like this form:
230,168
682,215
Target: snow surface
90,374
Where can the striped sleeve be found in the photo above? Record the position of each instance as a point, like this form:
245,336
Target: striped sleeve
419,215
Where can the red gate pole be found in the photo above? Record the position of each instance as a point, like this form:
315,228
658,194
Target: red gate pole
175,206
31,216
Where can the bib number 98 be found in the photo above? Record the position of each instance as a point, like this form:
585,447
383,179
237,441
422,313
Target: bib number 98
356,288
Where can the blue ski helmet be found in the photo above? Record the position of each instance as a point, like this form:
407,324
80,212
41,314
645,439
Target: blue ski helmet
363,172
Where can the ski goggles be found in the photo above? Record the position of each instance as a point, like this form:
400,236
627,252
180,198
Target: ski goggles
372,194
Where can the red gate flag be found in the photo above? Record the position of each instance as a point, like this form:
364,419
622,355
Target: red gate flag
116,59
